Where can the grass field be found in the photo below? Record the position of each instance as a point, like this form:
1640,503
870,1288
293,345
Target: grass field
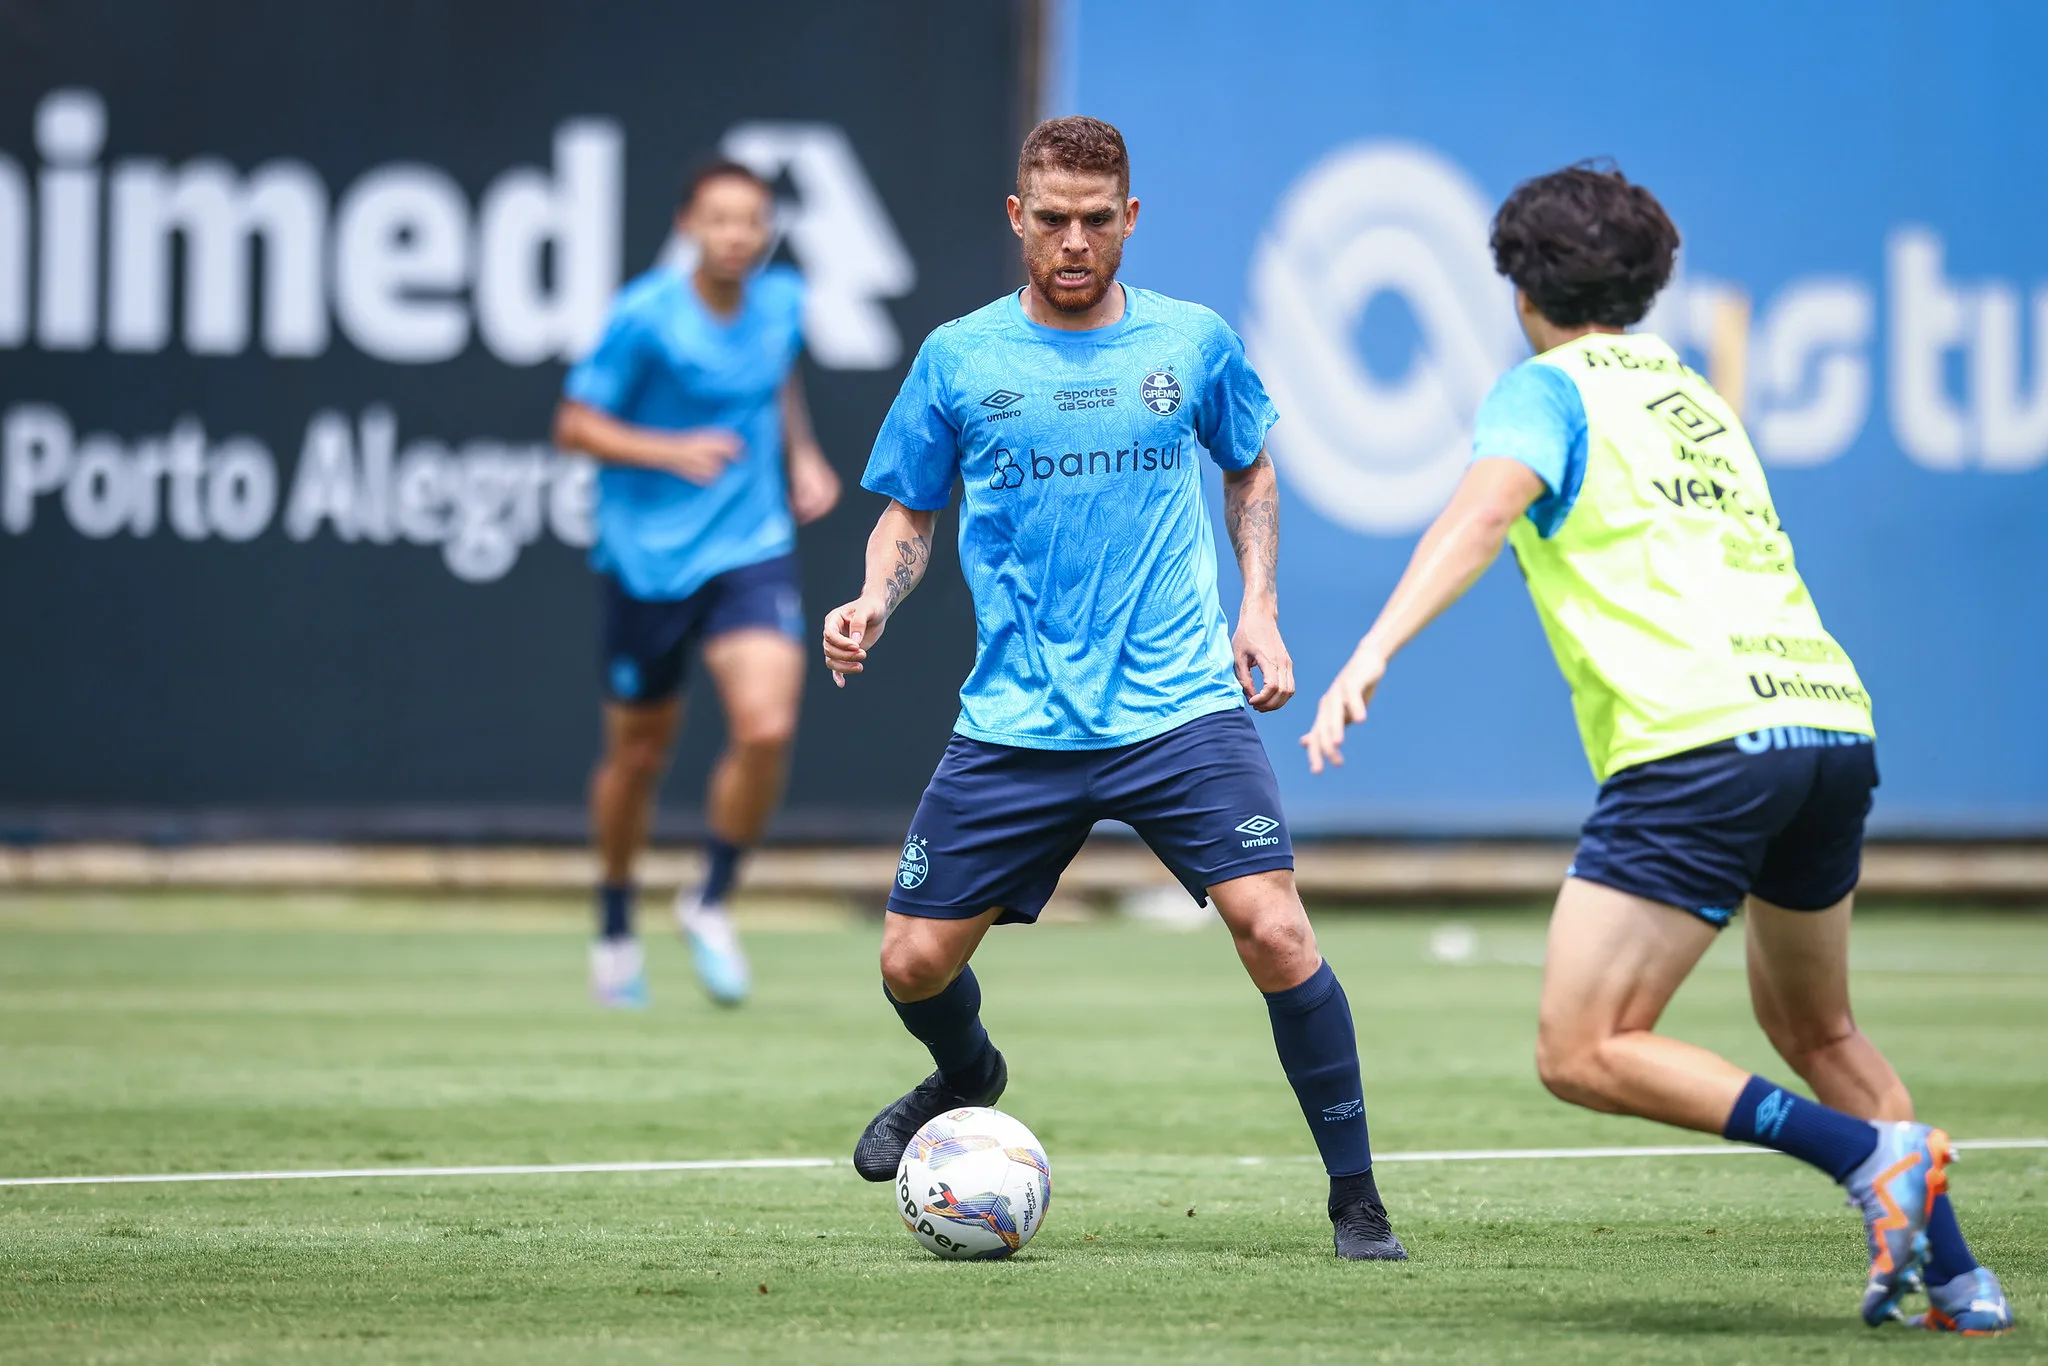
162,1034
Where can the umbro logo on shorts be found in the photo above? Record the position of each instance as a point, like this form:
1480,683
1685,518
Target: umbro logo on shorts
1261,829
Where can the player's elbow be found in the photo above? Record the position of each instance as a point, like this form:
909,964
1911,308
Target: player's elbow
1487,523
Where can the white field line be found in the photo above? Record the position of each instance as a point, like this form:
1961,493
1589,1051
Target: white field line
783,1163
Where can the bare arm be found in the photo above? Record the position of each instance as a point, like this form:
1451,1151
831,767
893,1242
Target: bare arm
699,455
1251,514
1459,546
899,551
813,484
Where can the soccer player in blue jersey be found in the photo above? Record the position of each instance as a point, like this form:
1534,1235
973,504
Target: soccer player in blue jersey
692,404
1106,683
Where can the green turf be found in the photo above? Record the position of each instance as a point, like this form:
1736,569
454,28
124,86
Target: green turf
188,1035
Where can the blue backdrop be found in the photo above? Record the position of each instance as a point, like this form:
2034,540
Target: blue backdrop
1860,195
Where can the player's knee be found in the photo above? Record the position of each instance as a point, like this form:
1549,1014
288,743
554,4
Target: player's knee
639,760
1569,1066
763,736
1276,939
914,970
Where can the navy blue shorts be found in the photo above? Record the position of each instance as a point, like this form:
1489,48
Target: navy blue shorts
998,825
1776,813
647,642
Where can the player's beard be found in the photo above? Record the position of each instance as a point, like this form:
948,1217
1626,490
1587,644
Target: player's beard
1075,298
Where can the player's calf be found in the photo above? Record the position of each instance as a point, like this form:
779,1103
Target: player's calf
937,997
1318,1047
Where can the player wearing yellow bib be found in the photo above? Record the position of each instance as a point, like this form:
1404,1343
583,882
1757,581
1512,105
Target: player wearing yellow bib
1731,735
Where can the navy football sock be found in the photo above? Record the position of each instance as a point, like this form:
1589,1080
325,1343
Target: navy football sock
1948,1256
1766,1113
615,910
949,1024
1319,1052
721,867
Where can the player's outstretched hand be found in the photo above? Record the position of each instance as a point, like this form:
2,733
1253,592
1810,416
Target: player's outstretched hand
850,632
1258,646
701,455
1343,705
813,486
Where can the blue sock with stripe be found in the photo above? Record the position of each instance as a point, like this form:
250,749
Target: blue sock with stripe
1767,1114
1319,1052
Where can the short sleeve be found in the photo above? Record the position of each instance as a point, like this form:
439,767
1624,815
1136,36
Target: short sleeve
1235,414
1534,415
607,378
917,452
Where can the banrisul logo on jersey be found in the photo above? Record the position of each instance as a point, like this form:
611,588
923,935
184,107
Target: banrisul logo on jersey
1011,468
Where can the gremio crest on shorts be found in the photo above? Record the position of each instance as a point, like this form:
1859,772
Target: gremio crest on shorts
912,868
1160,392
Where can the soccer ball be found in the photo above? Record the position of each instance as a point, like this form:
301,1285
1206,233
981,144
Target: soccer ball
973,1183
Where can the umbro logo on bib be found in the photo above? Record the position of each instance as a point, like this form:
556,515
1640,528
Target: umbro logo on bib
1686,417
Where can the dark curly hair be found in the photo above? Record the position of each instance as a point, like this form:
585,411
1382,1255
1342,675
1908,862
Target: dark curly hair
1585,245
1076,143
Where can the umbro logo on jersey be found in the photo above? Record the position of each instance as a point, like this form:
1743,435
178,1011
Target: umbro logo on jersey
1001,398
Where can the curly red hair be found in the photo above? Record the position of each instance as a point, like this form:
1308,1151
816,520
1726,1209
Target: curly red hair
1076,143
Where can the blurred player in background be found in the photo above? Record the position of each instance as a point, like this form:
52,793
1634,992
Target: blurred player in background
691,402
1729,731
1103,682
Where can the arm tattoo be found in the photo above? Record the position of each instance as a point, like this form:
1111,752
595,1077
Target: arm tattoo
911,558
1254,524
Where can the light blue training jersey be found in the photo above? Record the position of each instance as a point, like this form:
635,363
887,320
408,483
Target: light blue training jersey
1084,535
666,360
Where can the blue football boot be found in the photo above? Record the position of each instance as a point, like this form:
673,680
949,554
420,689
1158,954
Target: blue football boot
1894,1190
714,948
1972,1304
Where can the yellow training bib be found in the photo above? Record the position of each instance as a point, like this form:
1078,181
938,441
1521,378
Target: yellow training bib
1669,591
